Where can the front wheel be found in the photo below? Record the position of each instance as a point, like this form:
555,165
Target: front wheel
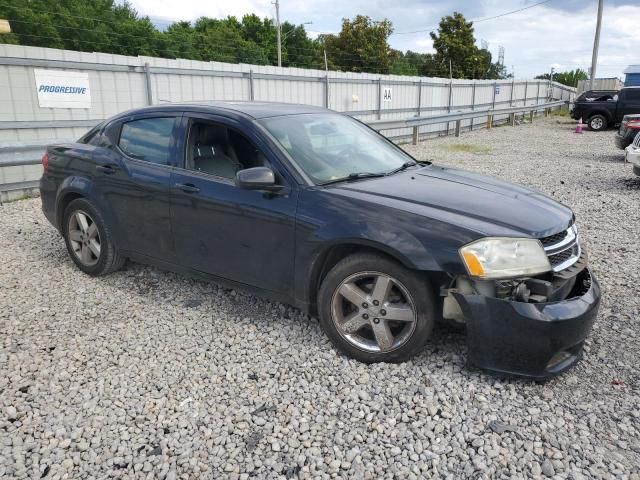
89,239
375,310
597,123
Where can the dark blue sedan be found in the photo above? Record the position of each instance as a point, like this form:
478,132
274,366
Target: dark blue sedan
315,209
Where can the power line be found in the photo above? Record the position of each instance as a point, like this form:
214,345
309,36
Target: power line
478,20
162,46
231,57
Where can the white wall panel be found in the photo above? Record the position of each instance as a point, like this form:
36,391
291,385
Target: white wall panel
119,83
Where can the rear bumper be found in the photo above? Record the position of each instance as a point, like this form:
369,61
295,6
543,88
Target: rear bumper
536,340
48,193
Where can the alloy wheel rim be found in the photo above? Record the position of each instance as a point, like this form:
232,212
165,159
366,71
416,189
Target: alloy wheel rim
84,238
596,123
374,312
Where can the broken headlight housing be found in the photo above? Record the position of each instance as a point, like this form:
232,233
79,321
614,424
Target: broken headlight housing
504,257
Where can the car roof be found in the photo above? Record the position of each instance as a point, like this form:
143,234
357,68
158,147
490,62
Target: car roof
254,110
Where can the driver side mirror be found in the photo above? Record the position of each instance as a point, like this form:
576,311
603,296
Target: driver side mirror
257,178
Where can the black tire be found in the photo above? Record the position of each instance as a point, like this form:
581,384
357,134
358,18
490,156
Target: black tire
415,283
108,260
598,123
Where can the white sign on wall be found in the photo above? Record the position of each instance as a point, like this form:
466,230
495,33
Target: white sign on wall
386,94
62,89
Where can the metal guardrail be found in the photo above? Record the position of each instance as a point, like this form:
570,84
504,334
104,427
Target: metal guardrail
458,117
26,154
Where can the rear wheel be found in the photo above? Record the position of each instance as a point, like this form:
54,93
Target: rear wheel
597,122
375,310
89,240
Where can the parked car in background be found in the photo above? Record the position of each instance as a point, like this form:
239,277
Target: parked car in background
318,210
597,96
629,127
632,154
600,114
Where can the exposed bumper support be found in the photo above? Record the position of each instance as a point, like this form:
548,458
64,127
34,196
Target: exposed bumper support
536,340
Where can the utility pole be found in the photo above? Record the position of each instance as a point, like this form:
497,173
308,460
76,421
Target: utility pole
596,45
326,65
277,4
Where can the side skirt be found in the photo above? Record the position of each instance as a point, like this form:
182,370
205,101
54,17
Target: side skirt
225,282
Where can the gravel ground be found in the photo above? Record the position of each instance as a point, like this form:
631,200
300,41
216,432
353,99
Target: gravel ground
148,374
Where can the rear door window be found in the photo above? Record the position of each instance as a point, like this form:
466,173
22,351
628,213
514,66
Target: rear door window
633,96
148,139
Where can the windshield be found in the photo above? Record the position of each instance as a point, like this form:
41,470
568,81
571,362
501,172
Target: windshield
330,147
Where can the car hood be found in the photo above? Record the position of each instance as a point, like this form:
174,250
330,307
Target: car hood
493,207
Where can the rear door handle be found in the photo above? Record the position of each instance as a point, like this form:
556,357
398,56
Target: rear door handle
109,168
187,187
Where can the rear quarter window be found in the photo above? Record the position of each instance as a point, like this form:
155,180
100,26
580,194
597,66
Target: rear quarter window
632,95
89,137
148,139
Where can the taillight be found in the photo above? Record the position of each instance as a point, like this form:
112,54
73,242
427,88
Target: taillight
45,161
633,124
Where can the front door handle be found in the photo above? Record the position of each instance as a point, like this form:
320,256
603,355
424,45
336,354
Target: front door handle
108,168
187,187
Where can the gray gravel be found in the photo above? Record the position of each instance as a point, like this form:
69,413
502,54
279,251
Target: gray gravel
147,374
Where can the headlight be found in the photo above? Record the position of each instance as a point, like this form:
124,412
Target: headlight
504,257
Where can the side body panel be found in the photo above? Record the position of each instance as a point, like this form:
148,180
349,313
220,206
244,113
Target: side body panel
326,220
628,103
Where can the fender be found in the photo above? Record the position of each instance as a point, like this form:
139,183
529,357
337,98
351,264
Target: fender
605,113
398,244
85,187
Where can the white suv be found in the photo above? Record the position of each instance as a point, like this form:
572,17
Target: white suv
632,154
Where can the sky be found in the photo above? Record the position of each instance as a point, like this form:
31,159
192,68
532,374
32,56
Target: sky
558,33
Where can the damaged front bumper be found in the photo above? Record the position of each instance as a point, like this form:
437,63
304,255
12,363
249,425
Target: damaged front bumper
536,340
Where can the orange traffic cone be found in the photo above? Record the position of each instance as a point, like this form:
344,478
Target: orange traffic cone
579,126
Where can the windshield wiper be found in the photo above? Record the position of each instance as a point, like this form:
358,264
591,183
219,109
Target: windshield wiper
353,176
402,167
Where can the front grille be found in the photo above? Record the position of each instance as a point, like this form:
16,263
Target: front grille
562,248
636,141
563,256
552,239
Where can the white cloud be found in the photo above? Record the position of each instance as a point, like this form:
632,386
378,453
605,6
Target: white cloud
534,43
191,9
424,45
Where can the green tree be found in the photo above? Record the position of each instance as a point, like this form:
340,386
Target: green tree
100,25
403,65
361,46
180,41
298,50
569,78
455,47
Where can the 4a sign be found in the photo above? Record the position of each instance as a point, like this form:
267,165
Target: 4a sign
386,94
62,89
